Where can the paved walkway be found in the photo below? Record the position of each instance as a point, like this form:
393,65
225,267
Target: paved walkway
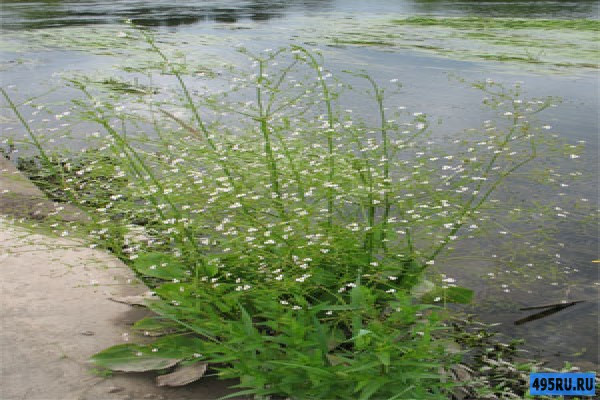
55,311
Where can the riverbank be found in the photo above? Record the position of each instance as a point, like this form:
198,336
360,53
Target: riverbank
58,309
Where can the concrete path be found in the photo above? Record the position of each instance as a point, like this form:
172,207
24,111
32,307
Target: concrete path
55,312
21,198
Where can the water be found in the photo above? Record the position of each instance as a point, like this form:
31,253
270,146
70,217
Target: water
40,15
42,41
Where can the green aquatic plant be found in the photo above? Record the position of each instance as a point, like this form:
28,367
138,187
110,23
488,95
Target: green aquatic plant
573,43
288,240
481,23
125,87
569,45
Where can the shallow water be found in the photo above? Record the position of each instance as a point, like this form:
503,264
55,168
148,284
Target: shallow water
42,41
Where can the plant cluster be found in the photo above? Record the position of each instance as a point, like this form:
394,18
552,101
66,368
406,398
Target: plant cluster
287,239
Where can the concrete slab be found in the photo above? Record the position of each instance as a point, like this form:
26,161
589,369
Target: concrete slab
21,198
56,312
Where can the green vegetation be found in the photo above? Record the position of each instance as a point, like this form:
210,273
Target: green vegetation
558,45
555,44
290,242
471,23
117,85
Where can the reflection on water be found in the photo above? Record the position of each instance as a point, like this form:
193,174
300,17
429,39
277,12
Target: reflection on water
17,14
508,8
48,14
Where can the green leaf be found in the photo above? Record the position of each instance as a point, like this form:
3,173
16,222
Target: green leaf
341,308
160,265
371,388
363,367
317,371
335,338
179,346
452,294
384,358
240,393
132,358
320,335
357,301
247,322
155,326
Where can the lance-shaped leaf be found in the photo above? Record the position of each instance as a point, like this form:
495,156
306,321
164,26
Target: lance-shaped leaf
453,294
160,265
132,358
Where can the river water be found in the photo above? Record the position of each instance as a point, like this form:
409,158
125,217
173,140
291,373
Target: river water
45,41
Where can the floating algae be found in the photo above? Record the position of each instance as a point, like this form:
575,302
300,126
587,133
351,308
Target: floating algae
542,45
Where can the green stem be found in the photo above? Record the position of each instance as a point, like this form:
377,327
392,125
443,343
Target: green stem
33,137
330,122
469,209
379,97
265,130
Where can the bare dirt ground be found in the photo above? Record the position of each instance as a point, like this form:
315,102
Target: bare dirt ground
55,311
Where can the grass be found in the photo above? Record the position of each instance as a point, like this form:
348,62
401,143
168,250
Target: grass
288,240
